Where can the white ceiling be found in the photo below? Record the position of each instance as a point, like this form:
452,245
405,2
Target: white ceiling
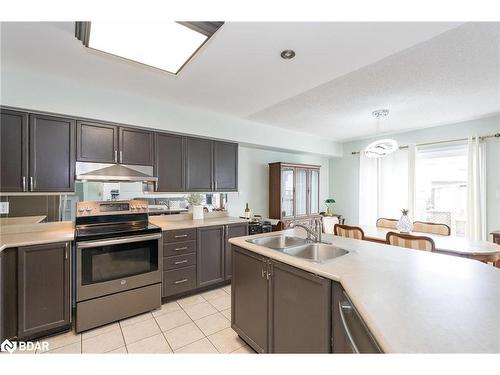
425,73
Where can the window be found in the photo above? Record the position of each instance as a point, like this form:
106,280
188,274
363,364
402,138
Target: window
164,45
441,185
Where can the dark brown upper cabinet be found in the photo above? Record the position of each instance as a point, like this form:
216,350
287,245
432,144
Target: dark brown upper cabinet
210,255
13,151
52,154
225,166
96,142
169,166
108,143
136,147
199,165
211,165
43,289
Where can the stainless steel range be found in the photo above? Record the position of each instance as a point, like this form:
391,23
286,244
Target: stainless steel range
118,262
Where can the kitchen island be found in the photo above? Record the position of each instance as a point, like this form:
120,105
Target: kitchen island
411,301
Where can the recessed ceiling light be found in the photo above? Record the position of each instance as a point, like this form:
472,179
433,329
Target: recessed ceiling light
164,45
288,54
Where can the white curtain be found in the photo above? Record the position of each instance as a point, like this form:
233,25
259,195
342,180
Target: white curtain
384,185
476,190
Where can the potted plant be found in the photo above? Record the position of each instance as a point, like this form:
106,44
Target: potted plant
195,201
329,206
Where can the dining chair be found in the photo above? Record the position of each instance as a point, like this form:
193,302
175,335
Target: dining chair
382,222
433,228
349,231
329,224
410,241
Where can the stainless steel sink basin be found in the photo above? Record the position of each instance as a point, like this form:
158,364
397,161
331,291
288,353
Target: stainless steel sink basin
279,242
317,252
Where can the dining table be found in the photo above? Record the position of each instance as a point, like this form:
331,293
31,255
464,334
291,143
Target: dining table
483,251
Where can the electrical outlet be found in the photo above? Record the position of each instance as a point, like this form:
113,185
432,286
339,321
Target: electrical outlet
4,207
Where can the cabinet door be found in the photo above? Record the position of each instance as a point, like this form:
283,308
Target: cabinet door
52,154
234,230
300,300
136,147
313,192
96,142
44,288
300,192
249,299
210,257
13,150
287,192
169,162
225,166
199,165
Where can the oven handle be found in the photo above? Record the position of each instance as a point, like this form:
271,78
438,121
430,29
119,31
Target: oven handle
117,241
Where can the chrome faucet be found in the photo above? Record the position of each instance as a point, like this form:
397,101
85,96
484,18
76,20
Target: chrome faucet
315,233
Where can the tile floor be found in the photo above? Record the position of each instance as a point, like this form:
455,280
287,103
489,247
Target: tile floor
195,324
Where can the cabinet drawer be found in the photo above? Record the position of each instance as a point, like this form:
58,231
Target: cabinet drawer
178,281
179,235
179,248
180,261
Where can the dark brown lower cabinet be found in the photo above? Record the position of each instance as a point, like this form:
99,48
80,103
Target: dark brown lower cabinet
300,311
43,284
231,231
250,299
210,255
277,308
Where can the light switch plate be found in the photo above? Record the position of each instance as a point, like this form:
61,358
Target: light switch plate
4,207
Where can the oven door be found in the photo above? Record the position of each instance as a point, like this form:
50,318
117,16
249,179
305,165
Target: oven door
113,265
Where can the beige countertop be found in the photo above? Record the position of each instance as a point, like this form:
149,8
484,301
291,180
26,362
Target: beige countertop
168,223
412,301
19,220
35,234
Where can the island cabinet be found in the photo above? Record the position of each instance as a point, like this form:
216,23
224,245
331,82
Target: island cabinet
277,308
108,143
35,290
37,152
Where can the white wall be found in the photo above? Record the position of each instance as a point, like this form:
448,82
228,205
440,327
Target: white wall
254,178
344,171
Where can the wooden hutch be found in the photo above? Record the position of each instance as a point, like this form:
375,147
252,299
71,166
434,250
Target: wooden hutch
293,193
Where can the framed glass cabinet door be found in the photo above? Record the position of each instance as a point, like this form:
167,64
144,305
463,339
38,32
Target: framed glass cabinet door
300,192
313,192
287,192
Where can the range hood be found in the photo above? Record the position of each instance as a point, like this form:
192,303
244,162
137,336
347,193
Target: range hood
114,172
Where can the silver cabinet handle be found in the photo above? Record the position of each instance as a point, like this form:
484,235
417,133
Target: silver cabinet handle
180,248
181,236
87,244
181,261
121,156
24,183
116,156
66,252
215,184
31,183
180,281
345,306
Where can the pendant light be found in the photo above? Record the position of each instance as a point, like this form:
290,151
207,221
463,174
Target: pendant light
381,147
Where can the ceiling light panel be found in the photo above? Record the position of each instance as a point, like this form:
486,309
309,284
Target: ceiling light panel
163,45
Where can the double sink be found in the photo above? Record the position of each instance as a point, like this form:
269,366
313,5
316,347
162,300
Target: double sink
300,247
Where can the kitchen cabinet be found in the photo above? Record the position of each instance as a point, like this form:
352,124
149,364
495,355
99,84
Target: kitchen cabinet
300,311
211,165
108,143
210,255
293,193
52,154
277,308
96,142
35,287
250,299
13,151
225,166
231,231
169,166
